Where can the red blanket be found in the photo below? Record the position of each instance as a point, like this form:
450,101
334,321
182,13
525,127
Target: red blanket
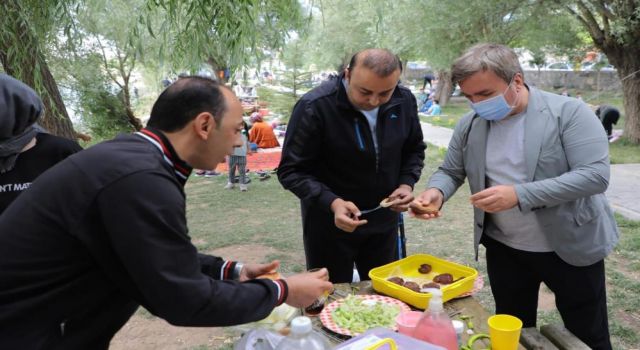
257,161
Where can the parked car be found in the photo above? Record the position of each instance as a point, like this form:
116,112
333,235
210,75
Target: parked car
589,66
562,66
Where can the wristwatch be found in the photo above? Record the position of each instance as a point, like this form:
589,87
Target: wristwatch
237,270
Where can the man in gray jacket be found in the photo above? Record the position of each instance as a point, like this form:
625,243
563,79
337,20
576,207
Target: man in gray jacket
537,165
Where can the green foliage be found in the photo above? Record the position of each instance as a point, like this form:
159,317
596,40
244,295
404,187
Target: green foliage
222,33
277,102
295,75
100,103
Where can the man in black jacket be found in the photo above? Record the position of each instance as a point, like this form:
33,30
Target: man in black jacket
350,143
105,231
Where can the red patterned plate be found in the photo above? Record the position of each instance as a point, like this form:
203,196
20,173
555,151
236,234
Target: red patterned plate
327,319
477,286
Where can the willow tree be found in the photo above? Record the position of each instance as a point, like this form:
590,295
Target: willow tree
614,26
224,34
189,33
25,26
438,31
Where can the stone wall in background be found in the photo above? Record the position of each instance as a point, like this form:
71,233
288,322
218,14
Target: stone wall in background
550,80
581,80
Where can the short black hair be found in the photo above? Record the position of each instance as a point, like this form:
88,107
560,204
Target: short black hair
183,100
382,61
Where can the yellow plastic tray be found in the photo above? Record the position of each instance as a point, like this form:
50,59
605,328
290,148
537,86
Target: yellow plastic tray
407,269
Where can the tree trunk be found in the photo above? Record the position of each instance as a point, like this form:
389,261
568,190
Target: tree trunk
444,89
624,56
135,122
625,59
631,91
28,63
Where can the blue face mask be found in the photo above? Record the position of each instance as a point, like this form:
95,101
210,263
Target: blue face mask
493,109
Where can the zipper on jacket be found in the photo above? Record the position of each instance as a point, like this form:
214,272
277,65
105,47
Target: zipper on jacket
359,134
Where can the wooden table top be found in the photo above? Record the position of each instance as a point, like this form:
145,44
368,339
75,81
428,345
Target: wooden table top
467,307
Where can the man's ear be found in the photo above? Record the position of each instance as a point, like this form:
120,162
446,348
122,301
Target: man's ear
203,123
347,74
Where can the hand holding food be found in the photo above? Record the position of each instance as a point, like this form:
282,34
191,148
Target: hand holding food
401,198
251,271
427,205
305,288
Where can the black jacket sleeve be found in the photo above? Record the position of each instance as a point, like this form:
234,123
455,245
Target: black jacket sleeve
413,150
300,153
144,216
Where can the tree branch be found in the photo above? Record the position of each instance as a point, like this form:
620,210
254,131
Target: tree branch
592,27
106,62
606,14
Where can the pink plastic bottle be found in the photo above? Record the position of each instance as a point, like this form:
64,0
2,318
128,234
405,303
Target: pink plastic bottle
435,325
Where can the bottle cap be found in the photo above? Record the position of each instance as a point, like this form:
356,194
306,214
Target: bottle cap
458,326
301,325
435,303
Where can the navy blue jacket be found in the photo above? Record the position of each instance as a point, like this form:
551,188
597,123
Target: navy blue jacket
329,153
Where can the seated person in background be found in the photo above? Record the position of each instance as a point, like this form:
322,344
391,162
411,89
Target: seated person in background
422,97
26,150
261,133
609,116
425,107
435,108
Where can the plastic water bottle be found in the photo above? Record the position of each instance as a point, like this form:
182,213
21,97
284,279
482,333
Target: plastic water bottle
435,325
302,336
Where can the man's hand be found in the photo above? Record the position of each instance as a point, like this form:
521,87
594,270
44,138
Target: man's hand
402,196
306,287
346,215
495,199
252,271
431,196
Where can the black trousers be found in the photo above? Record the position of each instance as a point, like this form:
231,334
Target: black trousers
515,278
338,251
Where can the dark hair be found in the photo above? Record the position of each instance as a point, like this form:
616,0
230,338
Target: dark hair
183,100
382,61
436,101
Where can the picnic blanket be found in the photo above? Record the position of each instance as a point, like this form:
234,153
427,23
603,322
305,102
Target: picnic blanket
257,161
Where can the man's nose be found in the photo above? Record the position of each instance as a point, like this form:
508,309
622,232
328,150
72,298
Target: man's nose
374,101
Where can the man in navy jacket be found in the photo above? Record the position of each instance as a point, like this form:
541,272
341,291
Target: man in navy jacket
105,231
352,142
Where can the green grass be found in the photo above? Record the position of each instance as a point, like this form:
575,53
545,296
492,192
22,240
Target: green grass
451,113
624,152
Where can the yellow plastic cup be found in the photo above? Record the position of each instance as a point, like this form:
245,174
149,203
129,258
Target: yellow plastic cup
504,331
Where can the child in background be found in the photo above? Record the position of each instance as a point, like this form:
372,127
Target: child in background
239,159
435,108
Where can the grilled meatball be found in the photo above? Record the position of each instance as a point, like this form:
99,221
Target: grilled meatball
413,286
424,268
431,285
444,278
396,280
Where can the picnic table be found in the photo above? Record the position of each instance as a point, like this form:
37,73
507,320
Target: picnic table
549,337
